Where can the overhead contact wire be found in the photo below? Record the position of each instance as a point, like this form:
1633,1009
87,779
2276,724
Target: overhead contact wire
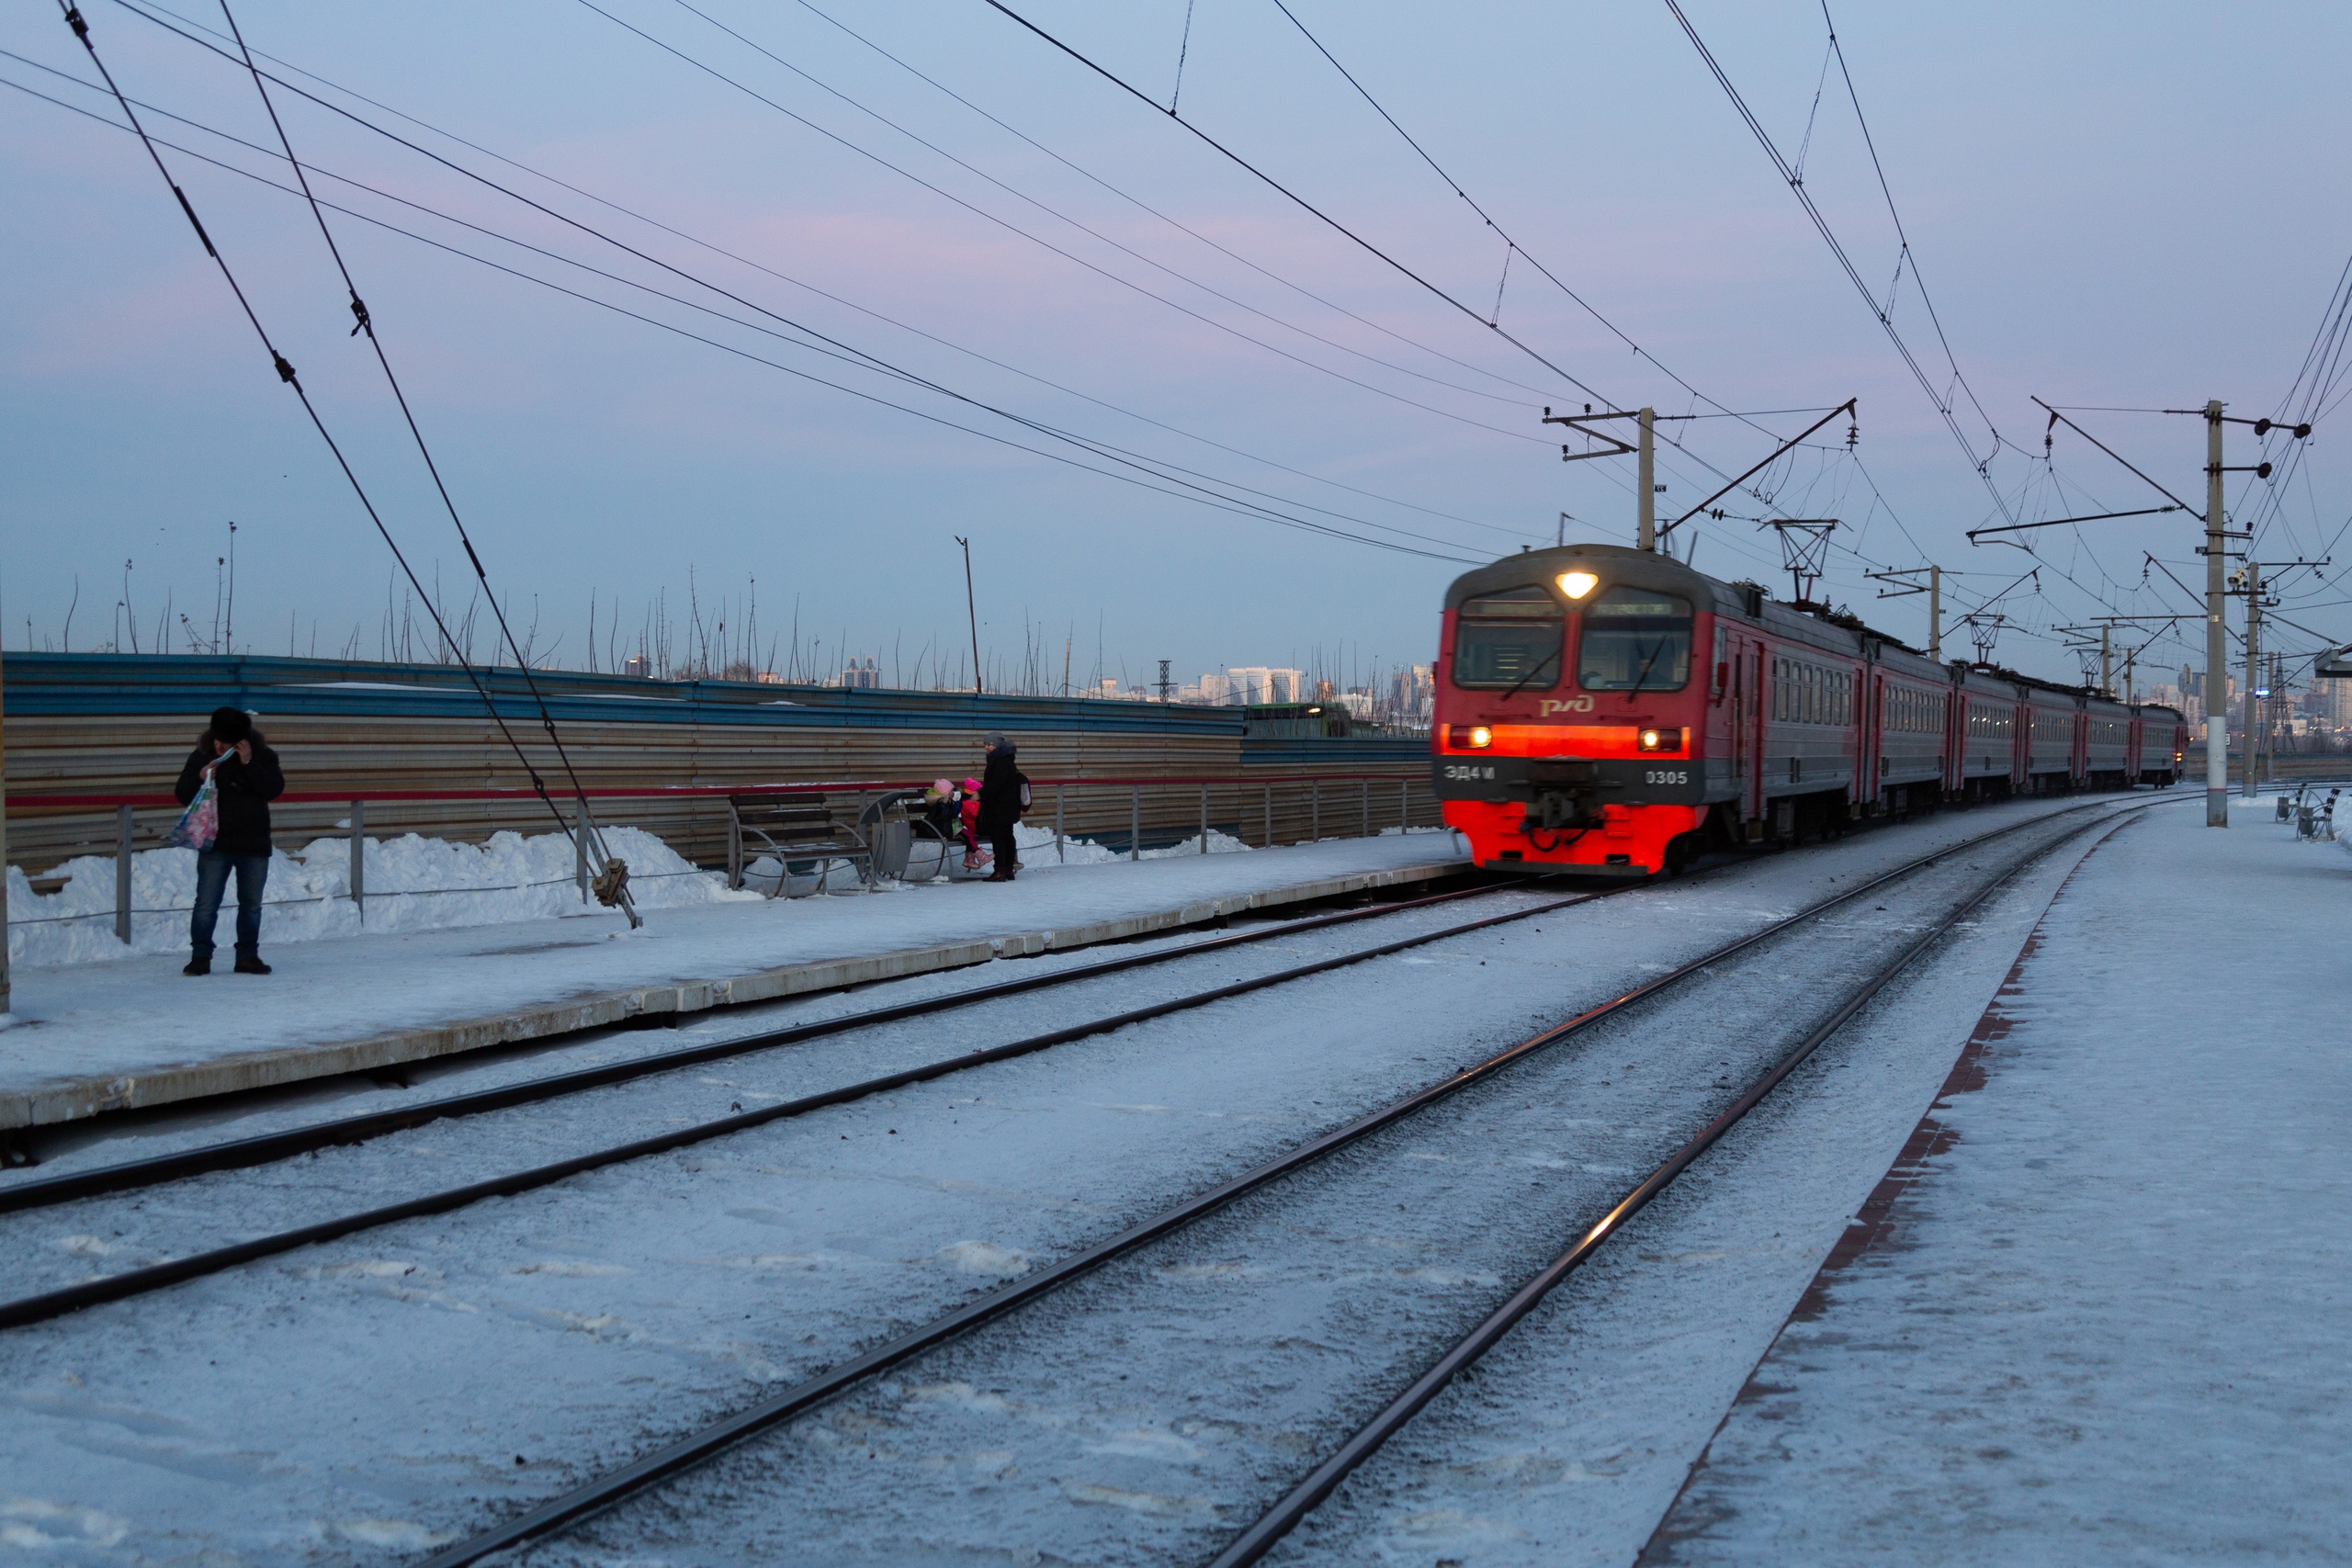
286,373
586,831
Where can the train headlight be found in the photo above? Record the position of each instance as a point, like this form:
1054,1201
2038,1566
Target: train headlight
1577,584
1661,741
1474,736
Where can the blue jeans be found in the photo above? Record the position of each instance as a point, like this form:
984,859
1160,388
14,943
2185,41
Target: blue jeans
212,870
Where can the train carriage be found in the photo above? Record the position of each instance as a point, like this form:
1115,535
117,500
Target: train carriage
1984,737
2161,742
1910,703
2048,733
2106,758
1607,709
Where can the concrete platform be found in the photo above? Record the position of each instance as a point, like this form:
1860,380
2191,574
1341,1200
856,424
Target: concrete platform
92,1038
2094,1312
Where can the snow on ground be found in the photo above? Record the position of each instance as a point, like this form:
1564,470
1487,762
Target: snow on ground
411,883
416,883
2106,1323
349,1402
1564,1445
1146,1412
140,1014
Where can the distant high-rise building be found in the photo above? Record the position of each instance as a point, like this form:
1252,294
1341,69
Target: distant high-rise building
1412,692
1254,685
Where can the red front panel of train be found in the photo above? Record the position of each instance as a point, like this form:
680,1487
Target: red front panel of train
1571,730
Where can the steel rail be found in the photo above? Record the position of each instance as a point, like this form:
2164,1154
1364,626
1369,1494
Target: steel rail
156,1275
264,1147
1278,1521
601,1492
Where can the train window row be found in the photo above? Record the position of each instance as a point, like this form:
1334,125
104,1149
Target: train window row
2053,727
1811,693
1990,723
2106,732
1914,712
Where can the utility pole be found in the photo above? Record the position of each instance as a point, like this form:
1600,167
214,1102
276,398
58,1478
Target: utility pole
1645,451
1645,480
971,609
2214,549
1905,584
2106,663
2253,665
2217,650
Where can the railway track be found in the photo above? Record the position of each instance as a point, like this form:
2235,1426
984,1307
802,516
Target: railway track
38,1192
149,1173
858,1375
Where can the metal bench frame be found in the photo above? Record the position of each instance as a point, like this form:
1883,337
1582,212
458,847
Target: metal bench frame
793,828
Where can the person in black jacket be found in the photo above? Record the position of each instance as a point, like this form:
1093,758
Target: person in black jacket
245,778
1000,807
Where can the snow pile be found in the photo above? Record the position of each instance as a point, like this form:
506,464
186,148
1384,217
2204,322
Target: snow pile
1037,848
413,884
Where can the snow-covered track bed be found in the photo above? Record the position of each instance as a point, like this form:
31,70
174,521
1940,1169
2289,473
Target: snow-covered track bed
1146,1396
182,1233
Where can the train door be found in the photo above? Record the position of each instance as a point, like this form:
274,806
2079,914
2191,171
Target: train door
1747,727
1869,724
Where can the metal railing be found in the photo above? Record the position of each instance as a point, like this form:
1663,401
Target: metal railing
1241,801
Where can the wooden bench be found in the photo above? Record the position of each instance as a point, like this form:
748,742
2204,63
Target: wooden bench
793,827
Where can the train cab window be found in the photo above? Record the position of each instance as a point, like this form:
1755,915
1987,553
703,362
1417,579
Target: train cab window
1635,639
1509,639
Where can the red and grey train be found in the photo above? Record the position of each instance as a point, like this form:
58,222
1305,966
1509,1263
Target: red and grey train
1607,709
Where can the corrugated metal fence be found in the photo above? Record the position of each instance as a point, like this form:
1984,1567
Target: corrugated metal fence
87,734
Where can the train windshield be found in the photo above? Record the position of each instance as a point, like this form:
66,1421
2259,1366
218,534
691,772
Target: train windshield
1508,641
1635,639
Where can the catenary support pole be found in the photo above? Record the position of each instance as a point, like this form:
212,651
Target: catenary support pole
1315,812
1936,613
2105,662
1135,823
2217,651
1204,820
1269,816
122,874
1061,854
1645,482
579,858
971,610
359,858
2253,665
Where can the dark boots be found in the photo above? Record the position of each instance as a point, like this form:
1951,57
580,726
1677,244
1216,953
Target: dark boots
247,963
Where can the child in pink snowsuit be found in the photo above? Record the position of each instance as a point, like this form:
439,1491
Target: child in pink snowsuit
968,816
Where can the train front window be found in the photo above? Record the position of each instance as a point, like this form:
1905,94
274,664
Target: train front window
1635,641
1508,641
